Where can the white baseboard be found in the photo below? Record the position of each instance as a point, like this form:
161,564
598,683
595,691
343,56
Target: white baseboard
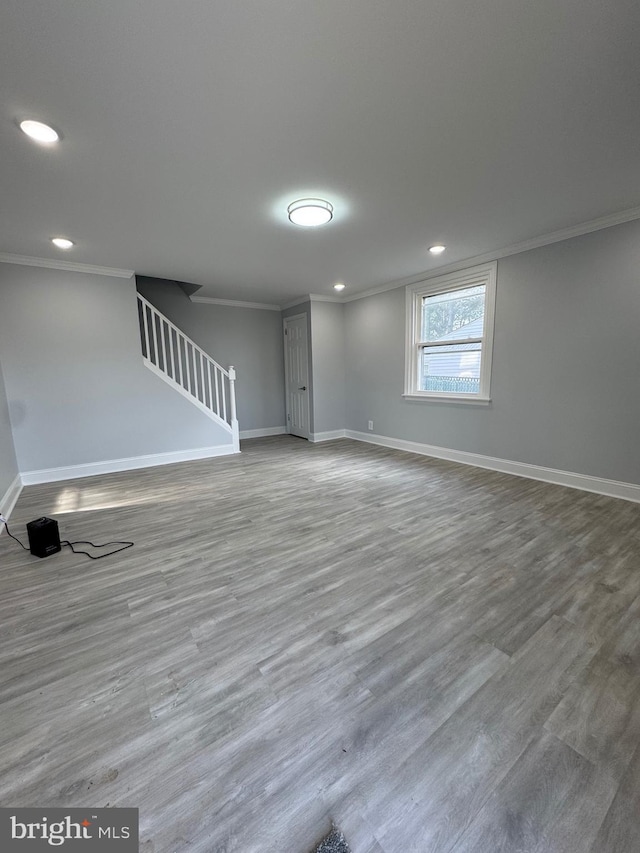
327,436
10,498
262,432
73,472
599,485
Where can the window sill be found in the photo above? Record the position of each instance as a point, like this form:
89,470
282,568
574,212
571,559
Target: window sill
448,398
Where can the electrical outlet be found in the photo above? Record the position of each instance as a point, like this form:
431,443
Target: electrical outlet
370,424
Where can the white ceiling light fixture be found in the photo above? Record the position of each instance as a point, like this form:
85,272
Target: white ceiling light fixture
39,131
338,286
62,242
310,212
437,250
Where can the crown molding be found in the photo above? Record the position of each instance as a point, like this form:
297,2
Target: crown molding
311,297
515,249
299,300
320,297
233,303
68,266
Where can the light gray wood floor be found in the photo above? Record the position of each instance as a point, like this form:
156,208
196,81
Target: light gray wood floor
436,657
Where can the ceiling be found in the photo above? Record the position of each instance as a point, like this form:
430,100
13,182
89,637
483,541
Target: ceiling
189,126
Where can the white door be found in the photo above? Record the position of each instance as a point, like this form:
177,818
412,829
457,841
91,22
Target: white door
296,369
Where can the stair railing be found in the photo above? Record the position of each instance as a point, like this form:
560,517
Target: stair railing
178,360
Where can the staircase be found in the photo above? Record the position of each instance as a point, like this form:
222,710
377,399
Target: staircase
170,354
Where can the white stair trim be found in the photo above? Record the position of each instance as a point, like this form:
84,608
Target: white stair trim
193,400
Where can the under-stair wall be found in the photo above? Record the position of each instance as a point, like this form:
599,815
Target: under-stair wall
80,397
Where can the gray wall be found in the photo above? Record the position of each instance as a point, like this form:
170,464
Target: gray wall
248,338
566,364
8,462
328,350
565,389
78,391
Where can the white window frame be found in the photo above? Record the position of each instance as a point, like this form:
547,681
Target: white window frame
485,274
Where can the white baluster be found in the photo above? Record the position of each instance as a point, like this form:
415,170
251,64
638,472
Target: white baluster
164,346
203,391
179,342
146,330
195,372
155,358
172,355
224,397
209,385
187,364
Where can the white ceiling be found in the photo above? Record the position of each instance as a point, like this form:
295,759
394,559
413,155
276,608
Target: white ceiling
189,126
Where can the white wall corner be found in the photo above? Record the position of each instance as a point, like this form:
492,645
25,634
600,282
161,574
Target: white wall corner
324,297
10,498
300,300
331,435
584,482
262,432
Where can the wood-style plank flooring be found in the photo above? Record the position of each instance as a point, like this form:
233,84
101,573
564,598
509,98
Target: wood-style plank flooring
435,657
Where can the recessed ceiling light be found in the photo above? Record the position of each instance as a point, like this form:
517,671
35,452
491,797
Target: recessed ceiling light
62,242
338,286
39,131
437,250
310,211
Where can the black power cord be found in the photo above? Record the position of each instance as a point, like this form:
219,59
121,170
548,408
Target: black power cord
125,545
9,533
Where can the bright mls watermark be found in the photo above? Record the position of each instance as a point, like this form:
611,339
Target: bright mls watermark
102,830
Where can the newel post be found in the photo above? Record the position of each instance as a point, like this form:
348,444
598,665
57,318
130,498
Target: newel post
232,405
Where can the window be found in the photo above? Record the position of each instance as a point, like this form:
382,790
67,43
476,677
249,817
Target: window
450,336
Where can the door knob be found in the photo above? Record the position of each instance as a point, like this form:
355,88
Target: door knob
302,388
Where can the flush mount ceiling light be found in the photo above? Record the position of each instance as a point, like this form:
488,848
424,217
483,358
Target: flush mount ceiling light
39,131
338,286
437,250
310,211
62,242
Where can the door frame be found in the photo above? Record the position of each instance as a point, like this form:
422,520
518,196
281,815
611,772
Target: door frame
285,337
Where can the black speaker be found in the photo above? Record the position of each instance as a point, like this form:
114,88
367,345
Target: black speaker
44,538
